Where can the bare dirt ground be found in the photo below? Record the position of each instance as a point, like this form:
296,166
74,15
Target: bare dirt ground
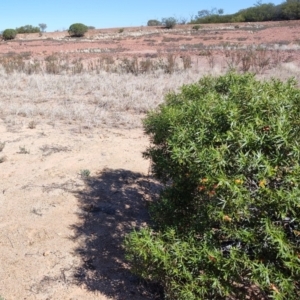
61,231
61,234
150,40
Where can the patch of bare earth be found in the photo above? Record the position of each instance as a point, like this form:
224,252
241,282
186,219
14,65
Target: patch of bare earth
148,40
61,232
73,180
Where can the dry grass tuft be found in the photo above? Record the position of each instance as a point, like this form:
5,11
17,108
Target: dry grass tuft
3,159
2,145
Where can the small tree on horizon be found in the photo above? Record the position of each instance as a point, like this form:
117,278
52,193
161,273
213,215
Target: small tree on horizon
169,22
43,26
77,29
153,23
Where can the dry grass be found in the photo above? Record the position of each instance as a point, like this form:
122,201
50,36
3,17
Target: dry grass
91,100
121,94
2,145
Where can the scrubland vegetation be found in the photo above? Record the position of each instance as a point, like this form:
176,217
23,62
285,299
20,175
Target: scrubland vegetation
78,29
226,225
259,12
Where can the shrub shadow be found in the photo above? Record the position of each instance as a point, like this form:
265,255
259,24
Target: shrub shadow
111,205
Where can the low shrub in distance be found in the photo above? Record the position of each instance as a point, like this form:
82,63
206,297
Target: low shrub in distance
169,22
77,29
196,27
9,34
153,23
227,225
28,29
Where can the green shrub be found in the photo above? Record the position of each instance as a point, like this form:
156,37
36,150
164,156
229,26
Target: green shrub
227,224
28,29
77,30
169,22
153,23
9,34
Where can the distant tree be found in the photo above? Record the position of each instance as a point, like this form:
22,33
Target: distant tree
291,9
288,10
153,23
9,34
169,22
220,11
78,29
43,26
203,13
28,29
182,21
259,12
91,27
206,13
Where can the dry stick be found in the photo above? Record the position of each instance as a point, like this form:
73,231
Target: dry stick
10,241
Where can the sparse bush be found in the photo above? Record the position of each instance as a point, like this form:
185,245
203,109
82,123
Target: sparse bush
169,22
130,66
196,27
85,173
43,26
187,62
9,34
2,145
181,21
77,67
227,224
171,65
2,160
32,125
153,23
146,66
23,150
78,29
121,30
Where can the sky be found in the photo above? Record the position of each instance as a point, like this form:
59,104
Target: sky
60,14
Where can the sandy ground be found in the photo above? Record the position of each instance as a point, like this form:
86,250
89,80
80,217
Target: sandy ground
61,232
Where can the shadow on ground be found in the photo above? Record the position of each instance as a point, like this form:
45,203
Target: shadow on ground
111,205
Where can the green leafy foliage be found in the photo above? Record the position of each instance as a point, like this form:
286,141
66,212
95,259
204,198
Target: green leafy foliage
28,29
291,10
9,34
78,29
153,23
227,225
169,22
196,27
288,10
43,26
